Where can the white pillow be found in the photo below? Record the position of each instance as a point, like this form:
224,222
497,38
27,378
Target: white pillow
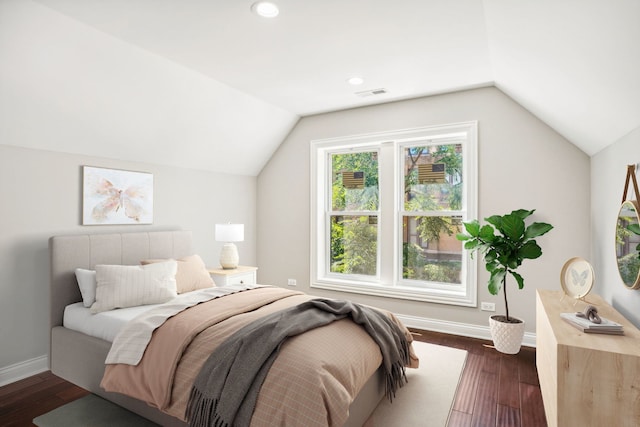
87,284
120,286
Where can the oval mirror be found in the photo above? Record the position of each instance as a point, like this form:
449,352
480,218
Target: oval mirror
628,244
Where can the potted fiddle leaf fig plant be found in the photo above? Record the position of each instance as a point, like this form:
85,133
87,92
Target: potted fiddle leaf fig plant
503,253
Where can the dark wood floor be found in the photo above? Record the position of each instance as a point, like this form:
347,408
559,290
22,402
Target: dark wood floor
22,401
495,390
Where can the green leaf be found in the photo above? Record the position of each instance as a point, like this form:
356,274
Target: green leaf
495,220
530,250
472,244
635,228
486,233
472,227
495,281
463,237
518,278
492,266
513,261
512,226
490,256
523,213
537,229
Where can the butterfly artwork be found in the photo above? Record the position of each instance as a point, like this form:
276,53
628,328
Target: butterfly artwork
579,279
112,196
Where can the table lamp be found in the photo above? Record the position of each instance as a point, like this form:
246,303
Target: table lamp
229,233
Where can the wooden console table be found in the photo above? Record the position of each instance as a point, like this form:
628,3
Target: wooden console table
586,379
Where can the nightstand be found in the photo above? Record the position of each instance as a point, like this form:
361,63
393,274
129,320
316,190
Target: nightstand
242,275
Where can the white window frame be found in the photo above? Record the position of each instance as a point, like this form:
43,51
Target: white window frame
389,282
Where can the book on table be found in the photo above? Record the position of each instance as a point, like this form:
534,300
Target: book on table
606,326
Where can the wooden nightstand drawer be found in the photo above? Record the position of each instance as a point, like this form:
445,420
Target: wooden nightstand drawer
242,275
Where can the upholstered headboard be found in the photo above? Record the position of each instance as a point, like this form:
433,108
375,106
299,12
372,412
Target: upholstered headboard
87,250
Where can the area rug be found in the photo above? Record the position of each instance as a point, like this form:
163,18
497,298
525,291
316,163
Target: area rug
425,400
92,411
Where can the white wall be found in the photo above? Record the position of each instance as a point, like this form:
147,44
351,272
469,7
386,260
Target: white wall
608,173
522,164
68,88
41,196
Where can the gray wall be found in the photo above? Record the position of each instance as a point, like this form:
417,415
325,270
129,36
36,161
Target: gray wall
522,164
41,196
608,173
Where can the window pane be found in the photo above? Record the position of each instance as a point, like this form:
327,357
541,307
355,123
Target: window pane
433,177
354,244
431,251
354,181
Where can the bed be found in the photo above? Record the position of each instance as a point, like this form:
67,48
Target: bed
79,358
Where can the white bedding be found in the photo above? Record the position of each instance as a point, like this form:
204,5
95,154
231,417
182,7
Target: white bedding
105,325
129,345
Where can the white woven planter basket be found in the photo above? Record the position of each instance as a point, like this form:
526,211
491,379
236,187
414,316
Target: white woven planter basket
507,337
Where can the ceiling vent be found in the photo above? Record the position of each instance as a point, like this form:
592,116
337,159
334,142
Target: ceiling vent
371,92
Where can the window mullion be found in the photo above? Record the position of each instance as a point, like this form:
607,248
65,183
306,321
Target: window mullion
386,222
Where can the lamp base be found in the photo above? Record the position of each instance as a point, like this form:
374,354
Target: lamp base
229,258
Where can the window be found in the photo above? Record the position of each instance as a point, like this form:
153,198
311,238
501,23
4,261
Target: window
386,209
353,216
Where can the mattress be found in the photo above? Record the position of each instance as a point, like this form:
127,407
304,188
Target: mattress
107,324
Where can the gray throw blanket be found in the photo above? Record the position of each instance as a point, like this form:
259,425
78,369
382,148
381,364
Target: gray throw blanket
226,389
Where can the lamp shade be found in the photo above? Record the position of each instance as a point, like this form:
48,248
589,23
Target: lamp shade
229,232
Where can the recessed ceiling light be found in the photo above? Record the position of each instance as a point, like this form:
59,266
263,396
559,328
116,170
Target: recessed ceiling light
355,80
265,9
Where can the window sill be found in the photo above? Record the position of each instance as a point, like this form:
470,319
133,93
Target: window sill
399,292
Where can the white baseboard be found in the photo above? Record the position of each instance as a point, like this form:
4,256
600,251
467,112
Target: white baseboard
455,328
20,370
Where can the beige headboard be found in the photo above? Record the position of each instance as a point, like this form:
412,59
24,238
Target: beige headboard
87,250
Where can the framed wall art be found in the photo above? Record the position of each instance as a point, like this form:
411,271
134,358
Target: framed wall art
114,196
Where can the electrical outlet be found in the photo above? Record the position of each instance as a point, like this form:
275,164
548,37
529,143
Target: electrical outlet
487,306
292,282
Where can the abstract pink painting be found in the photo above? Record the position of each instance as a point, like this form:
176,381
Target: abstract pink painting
114,196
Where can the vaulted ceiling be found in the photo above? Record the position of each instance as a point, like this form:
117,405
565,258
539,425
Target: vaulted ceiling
575,64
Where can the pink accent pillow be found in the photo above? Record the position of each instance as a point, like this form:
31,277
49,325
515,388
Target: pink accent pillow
192,273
